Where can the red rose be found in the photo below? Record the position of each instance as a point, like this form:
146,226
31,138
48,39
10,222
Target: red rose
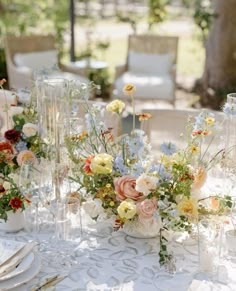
12,135
16,203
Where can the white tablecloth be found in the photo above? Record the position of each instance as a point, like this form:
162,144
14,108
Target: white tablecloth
107,260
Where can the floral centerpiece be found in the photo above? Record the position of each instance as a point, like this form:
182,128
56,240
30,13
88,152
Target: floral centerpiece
124,181
18,145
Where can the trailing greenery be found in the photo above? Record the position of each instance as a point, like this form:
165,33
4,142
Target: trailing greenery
157,11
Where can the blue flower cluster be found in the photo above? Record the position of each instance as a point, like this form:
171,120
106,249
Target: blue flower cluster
229,109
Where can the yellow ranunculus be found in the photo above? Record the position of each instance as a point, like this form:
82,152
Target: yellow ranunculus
188,207
127,209
210,120
115,106
194,149
102,164
129,89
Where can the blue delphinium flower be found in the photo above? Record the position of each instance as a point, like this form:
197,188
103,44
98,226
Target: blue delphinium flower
21,146
137,169
120,166
200,120
229,109
160,170
168,148
136,144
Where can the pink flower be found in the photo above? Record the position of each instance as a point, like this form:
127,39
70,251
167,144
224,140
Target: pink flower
125,188
25,156
147,208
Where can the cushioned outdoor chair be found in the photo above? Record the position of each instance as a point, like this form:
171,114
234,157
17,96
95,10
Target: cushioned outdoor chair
150,66
31,56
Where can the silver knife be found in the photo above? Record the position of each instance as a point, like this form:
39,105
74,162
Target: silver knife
49,282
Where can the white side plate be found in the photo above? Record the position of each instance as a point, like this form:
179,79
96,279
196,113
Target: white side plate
22,267
23,277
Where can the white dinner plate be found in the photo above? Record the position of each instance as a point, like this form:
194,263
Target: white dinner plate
23,277
22,267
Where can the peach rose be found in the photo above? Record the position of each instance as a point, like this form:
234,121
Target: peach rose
199,178
125,188
147,208
25,156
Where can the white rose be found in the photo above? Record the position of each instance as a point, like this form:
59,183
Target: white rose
146,184
30,129
93,207
14,177
15,110
6,185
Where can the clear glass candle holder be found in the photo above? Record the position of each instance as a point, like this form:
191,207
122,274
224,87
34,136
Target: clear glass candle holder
68,220
209,245
230,238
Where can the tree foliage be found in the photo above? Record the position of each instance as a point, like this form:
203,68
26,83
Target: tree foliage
26,17
157,11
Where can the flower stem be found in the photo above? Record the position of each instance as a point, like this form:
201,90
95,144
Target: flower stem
133,106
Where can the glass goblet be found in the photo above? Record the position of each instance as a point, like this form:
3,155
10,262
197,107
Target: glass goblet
29,179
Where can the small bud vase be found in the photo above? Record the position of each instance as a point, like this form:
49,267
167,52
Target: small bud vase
15,221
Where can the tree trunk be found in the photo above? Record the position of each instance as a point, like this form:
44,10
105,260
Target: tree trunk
220,65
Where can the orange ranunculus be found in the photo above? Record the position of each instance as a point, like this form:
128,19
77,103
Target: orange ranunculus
144,116
87,166
6,151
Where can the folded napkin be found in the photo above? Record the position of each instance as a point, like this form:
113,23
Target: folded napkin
14,260
8,248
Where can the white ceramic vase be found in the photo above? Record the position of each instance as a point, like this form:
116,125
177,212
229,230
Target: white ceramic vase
15,221
147,228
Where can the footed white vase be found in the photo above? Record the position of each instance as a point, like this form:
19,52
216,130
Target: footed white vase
147,228
15,221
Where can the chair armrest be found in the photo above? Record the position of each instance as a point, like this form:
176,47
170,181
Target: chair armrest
173,72
74,70
20,77
119,70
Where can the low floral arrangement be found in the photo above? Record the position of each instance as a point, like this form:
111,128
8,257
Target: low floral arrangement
123,181
18,145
